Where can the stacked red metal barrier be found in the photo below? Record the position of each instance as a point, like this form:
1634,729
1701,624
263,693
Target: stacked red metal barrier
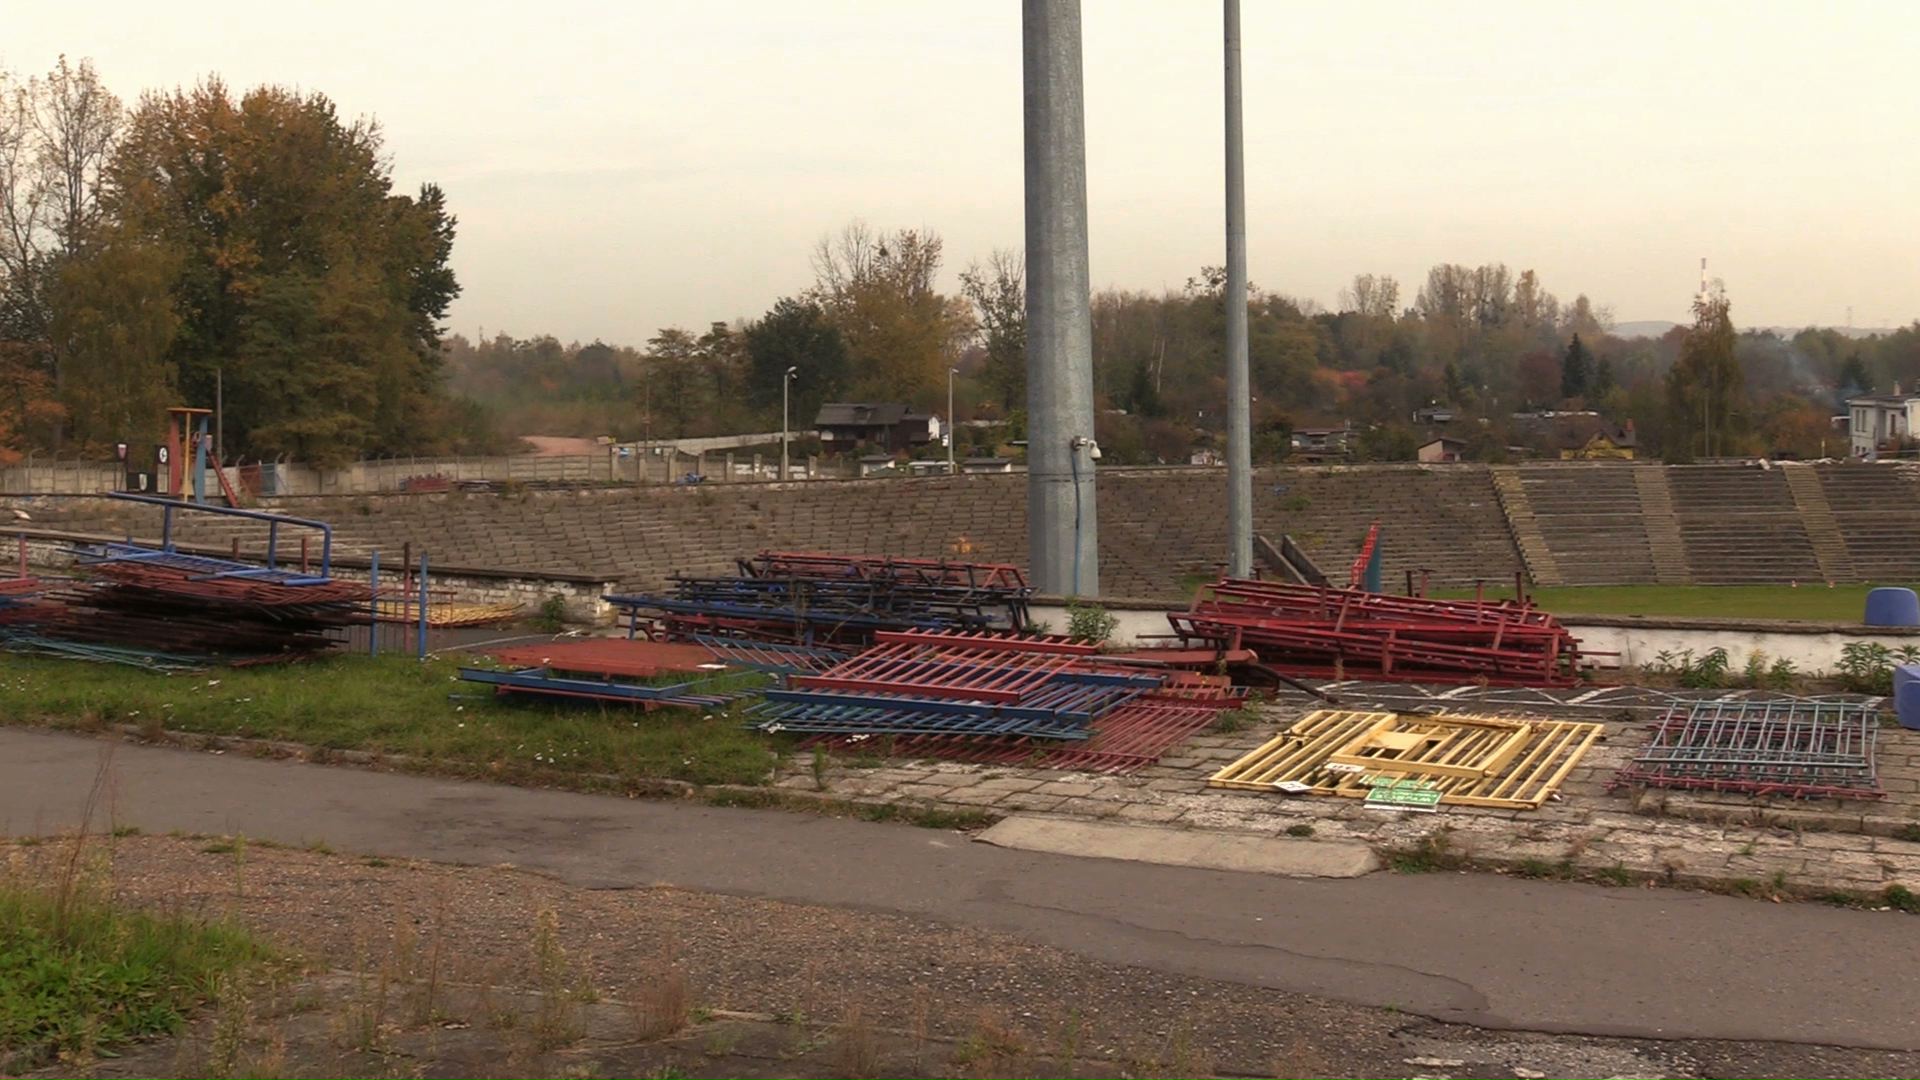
18,599
1044,701
178,604
1317,632
138,601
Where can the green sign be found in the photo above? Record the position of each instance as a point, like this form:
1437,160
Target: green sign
1393,793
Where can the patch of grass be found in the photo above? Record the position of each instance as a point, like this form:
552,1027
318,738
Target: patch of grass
1431,854
661,1008
855,1053
78,973
392,705
1090,623
940,817
557,1019
1814,602
1302,829
1901,898
1613,875
1909,832
552,615
1233,720
126,830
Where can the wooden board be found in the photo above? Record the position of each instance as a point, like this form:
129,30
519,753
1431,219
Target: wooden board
1474,760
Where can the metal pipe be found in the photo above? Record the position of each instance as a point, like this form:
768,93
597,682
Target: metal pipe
1239,383
423,606
373,604
1060,446
786,385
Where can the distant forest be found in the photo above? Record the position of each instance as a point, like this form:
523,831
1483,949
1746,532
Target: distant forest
253,240
1482,342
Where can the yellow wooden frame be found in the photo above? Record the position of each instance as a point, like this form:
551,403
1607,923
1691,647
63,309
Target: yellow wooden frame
1486,761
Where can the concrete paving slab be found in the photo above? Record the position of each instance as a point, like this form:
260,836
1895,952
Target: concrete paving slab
1184,847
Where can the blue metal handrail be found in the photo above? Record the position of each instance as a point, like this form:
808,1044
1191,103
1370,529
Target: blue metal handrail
274,521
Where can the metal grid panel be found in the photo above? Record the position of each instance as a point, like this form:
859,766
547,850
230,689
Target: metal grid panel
966,672
769,656
1801,749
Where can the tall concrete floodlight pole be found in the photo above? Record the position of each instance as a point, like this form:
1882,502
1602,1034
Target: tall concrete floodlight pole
1239,399
1062,528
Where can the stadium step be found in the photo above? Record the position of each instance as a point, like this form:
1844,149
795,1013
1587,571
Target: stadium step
1663,528
1542,567
1829,548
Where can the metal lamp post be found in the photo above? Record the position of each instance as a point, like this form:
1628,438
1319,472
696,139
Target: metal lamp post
786,384
953,429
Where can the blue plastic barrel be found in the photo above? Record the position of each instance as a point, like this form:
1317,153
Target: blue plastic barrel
1906,695
1893,607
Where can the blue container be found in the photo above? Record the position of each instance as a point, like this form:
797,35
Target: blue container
1906,695
1893,607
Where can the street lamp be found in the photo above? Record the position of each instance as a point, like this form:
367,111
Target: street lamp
786,383
952,432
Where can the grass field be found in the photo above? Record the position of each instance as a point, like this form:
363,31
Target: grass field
1842,603
389,705
79,974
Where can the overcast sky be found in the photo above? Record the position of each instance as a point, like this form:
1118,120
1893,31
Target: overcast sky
619,168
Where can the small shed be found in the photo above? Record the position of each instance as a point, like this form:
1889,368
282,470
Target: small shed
1443,450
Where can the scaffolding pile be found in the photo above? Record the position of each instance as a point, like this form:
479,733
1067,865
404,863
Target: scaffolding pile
1307,631
1796,749
19,597
818,599
137,602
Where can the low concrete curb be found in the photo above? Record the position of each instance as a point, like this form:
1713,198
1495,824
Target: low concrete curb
1184,847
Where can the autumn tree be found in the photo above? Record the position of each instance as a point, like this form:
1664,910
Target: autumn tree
57,133
1704,384
1576,369
302,279
998,293
878,288
1604,380
114,317
671,383
796,334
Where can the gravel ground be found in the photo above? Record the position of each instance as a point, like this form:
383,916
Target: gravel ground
800,968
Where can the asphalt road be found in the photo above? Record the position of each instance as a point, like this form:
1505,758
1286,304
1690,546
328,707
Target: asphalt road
1470,948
